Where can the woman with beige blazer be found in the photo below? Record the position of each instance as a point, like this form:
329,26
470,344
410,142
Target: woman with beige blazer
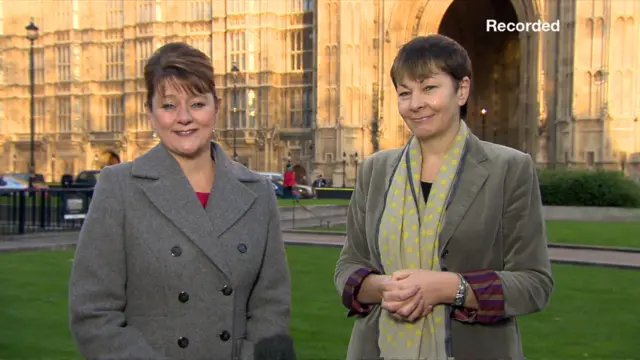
446,241
181,253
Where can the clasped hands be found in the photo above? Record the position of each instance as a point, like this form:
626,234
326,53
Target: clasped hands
411,294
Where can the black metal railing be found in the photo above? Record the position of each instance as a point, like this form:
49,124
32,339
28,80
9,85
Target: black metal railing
40,210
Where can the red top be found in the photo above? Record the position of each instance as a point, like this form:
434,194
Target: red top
289,178
203,197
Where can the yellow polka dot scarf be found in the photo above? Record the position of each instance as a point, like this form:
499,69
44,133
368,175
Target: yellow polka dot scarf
408,238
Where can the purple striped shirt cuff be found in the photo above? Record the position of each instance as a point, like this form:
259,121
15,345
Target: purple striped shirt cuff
350,292
487,287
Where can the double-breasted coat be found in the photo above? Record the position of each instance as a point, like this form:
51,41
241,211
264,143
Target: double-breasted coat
157,276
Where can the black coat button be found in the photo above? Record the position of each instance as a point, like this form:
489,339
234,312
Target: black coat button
176,251
183,297
227,290
225,336
183,342
445,253
242,248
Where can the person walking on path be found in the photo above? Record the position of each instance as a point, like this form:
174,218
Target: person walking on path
289,181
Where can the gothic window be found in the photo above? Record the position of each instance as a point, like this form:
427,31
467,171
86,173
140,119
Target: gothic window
38,65
308,5
64,14
588,42
629,43
300,107
251,50
295,50
144,49
295,108
63,108
63,62
295,5
238,109
598,43
236,6
143,123
39,115
252,109
146,11
617,44
114,56
238,49
115,14
115,114
200,10
307,107
300,45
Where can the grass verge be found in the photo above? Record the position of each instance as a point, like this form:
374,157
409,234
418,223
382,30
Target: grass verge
614,234
582,320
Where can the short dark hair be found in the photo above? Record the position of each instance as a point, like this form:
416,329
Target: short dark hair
424,56
182,65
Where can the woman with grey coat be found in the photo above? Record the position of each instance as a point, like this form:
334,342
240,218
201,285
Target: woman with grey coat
181,254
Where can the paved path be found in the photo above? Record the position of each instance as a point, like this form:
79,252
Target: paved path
609,258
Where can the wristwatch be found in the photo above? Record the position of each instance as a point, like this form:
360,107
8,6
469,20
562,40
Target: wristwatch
461,294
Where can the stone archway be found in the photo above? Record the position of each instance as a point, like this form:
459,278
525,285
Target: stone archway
495,56
519,111
302,177
108,158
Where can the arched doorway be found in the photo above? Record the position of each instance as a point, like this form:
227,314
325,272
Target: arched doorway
465,21
496,62
301,174
108,158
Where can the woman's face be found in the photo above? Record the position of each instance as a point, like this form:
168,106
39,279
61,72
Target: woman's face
432,106
184,122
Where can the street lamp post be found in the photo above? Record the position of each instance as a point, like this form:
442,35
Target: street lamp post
235,70
32,35
484,114
355,156
344,169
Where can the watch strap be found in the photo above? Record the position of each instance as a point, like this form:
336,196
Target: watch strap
461,294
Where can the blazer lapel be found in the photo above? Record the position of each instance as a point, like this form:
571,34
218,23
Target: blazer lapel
169,190
472,178
230,198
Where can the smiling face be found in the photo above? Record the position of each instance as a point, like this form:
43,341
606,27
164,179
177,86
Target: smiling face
430,107
183,119
431,75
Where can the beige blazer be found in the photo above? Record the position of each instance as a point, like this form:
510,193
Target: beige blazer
157,276
494,222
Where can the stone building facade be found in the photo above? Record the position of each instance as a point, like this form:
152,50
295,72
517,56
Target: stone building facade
89,86
567,97
313,87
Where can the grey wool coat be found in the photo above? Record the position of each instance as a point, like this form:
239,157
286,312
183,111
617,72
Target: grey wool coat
494,222
157,276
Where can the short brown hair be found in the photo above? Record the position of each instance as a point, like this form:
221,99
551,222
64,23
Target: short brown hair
181,64
424,56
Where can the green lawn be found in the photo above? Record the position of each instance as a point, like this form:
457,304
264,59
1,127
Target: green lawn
589,316
310,202
616,234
